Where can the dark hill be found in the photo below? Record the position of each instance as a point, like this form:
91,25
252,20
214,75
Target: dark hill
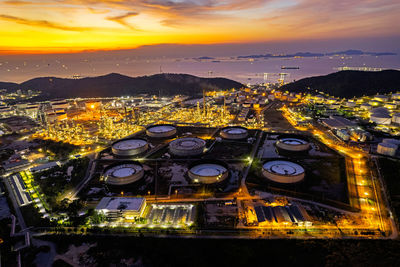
119,85
8,86
349,83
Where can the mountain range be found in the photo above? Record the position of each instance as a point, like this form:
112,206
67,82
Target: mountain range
115,84
350,52
349,83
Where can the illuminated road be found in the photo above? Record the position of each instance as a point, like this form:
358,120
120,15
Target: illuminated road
89,172
365,188
243,187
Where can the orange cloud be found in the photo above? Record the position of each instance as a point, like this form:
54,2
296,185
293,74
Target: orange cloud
121,19
42,23
17,3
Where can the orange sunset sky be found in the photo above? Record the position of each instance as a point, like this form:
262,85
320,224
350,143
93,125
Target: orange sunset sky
45,26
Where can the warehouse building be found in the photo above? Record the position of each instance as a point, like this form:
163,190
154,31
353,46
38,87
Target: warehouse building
128,208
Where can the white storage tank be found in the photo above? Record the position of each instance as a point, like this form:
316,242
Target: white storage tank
396,96
123,173
292,144
282,171
381,98
161,131
380,116
365,106
391,141
187,146
350,104
234,132
129,147
390,105
374,103
396,118
208,172
381,119
387,149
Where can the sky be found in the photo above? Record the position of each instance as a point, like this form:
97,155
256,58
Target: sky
65,26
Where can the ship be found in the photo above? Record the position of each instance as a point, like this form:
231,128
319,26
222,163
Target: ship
289,68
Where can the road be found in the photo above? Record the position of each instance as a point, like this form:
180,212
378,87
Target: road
89,172
243,186
364,184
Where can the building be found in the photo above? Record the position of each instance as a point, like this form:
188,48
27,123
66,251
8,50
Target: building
6,111
336,122
128,208
45,166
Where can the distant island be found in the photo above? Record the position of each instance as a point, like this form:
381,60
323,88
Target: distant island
349,83
350,52
203,58
115,84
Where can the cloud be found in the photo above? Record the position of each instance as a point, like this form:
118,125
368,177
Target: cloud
98,11
174,8
336,18
121,19
42,23
17,3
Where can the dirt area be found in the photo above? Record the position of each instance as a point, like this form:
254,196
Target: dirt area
274,119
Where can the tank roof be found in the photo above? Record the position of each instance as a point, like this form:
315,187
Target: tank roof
283,167
161,128
293,141
129,144
123,170
187,143
208,169
235,130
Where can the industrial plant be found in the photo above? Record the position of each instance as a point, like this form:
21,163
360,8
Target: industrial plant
256,163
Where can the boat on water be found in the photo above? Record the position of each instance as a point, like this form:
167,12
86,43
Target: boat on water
289,68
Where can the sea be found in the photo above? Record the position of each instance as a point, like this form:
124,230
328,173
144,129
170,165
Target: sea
20,68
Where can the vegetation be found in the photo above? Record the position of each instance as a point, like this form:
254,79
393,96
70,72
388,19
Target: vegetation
96,217
55,182
32,216
57,149
349,83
